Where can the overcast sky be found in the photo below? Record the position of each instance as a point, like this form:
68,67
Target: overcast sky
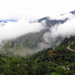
34,9
30,10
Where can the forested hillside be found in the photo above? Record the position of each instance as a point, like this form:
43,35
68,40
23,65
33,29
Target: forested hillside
59,61
37,37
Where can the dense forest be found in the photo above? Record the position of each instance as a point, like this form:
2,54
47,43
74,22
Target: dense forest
60,61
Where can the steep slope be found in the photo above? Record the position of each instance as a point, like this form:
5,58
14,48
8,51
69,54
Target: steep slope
61,52
32,39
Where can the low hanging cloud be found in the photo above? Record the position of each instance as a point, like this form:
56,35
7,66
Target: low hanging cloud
64,30
31,10
11,30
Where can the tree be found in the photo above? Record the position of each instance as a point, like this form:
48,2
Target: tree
61,71
42,68
22,71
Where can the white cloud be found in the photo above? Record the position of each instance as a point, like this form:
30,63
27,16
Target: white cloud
64,16
30,10
64,30
12,30
34,9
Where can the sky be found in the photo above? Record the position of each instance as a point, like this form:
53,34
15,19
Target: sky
30,10
34,9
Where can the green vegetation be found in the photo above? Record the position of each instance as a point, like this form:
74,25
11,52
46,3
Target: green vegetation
62,62
72,46
30,40
11,49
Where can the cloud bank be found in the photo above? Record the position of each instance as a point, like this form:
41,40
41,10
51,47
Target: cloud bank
64,30
29,10
11,30
34,9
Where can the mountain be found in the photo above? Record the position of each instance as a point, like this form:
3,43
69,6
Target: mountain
49,61
44,18
50,22
11,20
31,40
73,12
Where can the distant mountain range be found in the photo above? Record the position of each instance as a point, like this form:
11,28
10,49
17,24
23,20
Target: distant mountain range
50,22
32,39
73,12
11,20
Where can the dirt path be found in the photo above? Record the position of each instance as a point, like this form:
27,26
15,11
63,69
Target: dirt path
70,48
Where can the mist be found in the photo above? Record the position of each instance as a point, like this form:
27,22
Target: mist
62,31
12,30
25,11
